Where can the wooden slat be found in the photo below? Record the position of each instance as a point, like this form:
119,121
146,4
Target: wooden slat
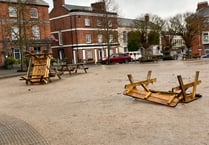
164,99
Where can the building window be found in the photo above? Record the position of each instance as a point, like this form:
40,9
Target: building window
60,38
16,53
87,22
109,23
124,37
100,40
89,55
34,13
12,11
36,32
206,48
37,50
125,49
88,38
205,38
15,32
99,23
110,38
61,54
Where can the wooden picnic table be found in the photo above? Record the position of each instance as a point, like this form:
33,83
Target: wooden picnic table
73,67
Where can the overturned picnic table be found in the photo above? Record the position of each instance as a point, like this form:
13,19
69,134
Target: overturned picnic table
73,67
140,90
39,69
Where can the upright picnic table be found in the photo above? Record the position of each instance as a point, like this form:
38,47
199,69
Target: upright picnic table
73,67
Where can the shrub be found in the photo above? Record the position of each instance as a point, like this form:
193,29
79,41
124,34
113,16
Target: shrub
10,61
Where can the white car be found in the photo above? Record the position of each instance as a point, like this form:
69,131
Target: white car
135,55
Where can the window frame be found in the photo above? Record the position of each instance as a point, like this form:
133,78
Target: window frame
110,23
111,37
88,38
60,38
99,23
100,38
12,11
90,55
15,32
125,40
205,37
16,53
33,11
36,32
37,50
87,22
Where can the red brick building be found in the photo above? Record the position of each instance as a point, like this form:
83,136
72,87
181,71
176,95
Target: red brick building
201,43
28,21
79,32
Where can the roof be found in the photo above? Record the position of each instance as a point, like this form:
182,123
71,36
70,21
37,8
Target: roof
71,8
34,2
204,12
75,7
126,22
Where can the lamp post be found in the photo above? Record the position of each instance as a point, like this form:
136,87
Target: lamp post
146,18
146,45
199,48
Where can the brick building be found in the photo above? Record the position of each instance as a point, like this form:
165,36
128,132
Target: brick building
201,43
24,24
80,33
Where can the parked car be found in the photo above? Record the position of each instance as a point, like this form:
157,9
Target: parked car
205,55
135,55
118,58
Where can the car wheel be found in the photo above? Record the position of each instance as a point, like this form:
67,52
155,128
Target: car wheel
126,61
108,63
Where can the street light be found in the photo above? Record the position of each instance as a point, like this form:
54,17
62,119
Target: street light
146,18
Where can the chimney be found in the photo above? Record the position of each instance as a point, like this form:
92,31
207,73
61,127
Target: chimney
98,6
202,5
58,3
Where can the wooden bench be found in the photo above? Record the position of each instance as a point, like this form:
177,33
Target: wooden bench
73,67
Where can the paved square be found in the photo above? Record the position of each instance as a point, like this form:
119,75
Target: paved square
90,109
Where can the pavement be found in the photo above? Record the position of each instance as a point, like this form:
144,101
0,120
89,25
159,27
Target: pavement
90,108
6,73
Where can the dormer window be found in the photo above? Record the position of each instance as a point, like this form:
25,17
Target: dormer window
34,13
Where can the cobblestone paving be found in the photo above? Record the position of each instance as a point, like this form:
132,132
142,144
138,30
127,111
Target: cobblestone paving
14,131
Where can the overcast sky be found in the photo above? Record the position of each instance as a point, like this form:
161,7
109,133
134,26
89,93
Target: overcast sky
134,8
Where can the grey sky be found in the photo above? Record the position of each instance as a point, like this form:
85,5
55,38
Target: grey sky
134,8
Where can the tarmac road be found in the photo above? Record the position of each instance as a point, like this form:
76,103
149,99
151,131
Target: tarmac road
90,108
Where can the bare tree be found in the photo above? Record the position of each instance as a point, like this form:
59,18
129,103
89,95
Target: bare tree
108,20
188,26
149,27
142,27
167,35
